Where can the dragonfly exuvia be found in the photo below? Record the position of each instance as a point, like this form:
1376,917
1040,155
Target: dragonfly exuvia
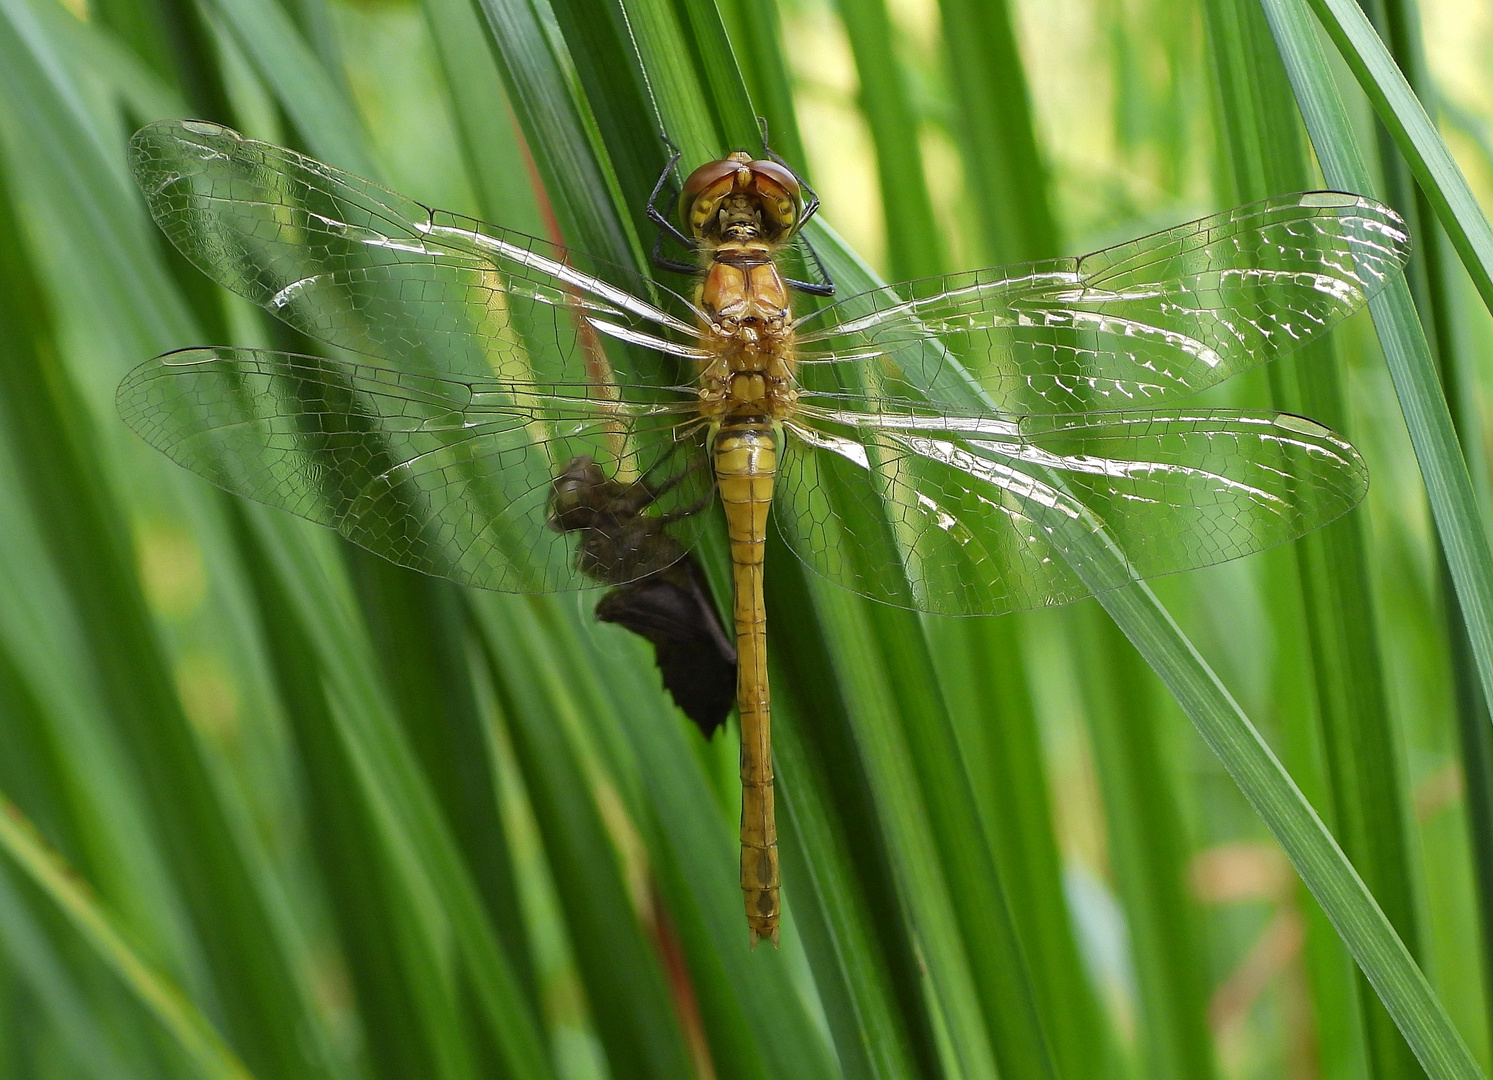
965,445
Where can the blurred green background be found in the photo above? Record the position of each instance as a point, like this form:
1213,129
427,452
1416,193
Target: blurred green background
278,809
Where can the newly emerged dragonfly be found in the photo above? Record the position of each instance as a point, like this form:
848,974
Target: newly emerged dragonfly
960,445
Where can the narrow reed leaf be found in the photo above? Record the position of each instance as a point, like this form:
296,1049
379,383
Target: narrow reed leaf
313,100
557,134
1367,812
1003,165
914,249
1415,134
754,1018
983,667
1416,381
1291,819
624,986
1433,287
755,31
200,1042
222,882
1006,183
436,883
407,1005
1149,851
497,164
419,631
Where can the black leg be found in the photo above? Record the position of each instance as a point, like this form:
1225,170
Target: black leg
663,262
813,288
654,492
689,511
660,219
811,204
811,197
828,281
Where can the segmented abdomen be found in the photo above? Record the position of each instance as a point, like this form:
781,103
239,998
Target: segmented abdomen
745,466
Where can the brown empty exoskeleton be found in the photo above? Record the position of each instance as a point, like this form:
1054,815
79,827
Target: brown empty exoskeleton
514,415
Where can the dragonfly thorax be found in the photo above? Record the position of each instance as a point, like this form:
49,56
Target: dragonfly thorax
742,293
744,303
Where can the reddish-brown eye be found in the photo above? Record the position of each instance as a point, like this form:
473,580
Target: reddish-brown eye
779,194
775,189
703,191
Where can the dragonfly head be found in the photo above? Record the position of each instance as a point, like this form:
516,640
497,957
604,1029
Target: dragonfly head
738,198
579,495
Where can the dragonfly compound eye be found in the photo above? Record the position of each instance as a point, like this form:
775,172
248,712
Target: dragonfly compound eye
772,190
577,494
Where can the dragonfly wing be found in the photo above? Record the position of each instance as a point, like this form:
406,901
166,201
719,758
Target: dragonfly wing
971,516
361,267
448,477
1160,317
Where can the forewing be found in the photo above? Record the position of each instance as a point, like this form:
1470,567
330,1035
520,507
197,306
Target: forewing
1149,320
363,268
449,477
972,516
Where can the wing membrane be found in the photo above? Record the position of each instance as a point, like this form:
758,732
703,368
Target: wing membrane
449,477
366,269
986,516
1156,318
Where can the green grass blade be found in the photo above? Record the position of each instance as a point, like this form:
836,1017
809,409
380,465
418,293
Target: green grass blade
913,247
1317,857
225,885
1416,382
419,631
913,849
982,666
557,134
1367,805
1443,468
878,1020
996,133
755,30
615,90
427,860
495,161
1432,287
313,100
403,992
1148,846
1007,183
754,1017
1405,117
625,988
197,1038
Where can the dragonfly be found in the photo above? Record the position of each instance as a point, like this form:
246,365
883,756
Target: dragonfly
971,444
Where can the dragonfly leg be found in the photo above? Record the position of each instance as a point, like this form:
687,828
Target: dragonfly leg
659,218
663,262
811,197
813,288
693,508
654,492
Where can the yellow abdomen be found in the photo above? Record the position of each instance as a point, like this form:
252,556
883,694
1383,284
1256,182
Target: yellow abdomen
745,467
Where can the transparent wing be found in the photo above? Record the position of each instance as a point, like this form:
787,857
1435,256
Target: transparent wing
449,477
360,267
976,516
1156,318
